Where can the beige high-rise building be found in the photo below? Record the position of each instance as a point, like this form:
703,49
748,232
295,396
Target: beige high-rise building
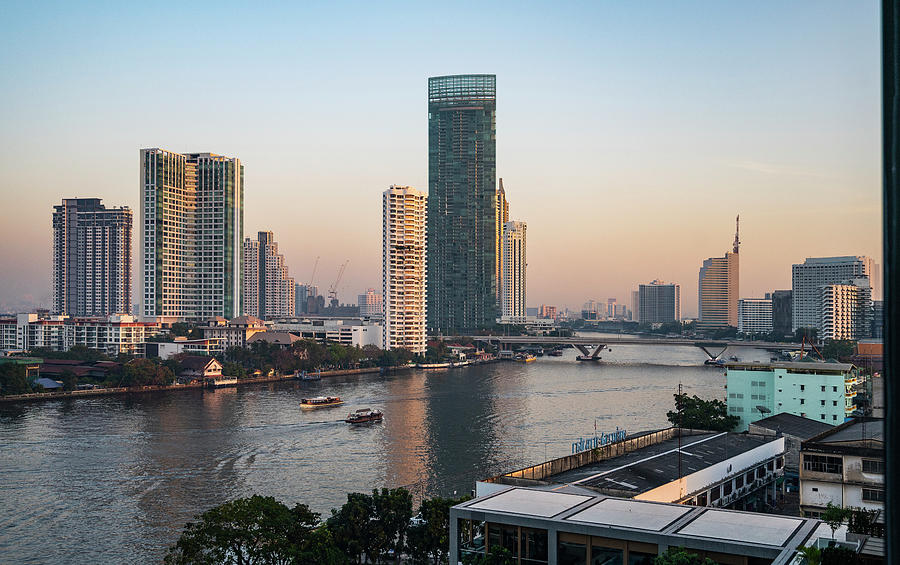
403,268
719,289
514,268
846,309
268,290
502,219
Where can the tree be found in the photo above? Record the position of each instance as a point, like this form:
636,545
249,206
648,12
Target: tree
69,380
697,413
393,508
248,531
812,554
13,379
497,556
680,556
837,555
351,526
432,539
143,372
863,521
834,516
838,348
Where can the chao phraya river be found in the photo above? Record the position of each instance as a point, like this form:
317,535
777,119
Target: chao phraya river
114,479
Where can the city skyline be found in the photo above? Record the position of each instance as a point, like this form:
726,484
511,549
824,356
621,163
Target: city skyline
792,122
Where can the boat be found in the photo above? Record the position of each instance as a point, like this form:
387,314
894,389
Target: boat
320,401
433,365
525,358
588,358
539,352
715,362
219,382
555,353
304,376
364,415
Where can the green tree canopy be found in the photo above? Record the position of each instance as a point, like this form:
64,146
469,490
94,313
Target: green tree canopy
12,379
697,413
680,556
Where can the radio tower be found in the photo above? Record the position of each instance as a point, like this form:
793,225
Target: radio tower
737,230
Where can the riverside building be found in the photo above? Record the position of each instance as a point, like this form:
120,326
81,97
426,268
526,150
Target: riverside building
659,302
719,288
113,334
808,278
405,212
191,235
462,203
513,281
502,218
755,315
91,258
846,310
268,290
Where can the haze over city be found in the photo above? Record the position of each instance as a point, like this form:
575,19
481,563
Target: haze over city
628,138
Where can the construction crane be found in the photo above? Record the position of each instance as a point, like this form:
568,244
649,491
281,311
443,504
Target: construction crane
312,279
332,292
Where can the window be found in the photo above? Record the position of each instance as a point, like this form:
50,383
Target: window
802,401
873,495
821,416
534,546
834,389
823,464
822,402
823,388
875,466
571,553
802,388
606,556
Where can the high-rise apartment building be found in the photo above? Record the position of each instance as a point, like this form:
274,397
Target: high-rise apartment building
405,211
719,288
846,310
547,312
781,312
462,203
808,278
370,304
514,269
91,258
659,302
269,292
755,315
636,305
502,218
192,231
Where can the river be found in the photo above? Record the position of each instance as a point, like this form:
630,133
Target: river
114,479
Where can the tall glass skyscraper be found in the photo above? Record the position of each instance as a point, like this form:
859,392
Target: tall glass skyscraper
462,203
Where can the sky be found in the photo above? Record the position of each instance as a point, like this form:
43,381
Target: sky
629,134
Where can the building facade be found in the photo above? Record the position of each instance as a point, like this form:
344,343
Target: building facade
808,278
547,312
515,264
462,203
268,291
502,219
659,302
234,332
818,391
846,311
191,235
370,304
91,258
113,334
404,258
755,315
781,313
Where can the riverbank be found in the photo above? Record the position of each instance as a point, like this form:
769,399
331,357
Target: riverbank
38,396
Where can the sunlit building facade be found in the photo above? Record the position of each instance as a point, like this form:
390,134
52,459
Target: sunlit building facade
513,281
268,290
719,289
808,278
659,302
404,211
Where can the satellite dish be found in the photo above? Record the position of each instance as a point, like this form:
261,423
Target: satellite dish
763,410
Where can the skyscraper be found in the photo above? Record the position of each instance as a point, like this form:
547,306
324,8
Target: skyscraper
659,302
846,310
91,258
269,291
781,312
808,278
192,231
462,203
502,218
514,269
719,288
404,212
755,315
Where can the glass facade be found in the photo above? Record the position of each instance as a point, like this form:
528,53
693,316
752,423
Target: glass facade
462,203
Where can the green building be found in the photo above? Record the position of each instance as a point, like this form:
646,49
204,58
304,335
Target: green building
462,203
818,391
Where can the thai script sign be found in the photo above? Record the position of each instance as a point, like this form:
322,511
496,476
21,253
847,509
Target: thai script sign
588,443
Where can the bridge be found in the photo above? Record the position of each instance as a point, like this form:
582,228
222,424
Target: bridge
590,346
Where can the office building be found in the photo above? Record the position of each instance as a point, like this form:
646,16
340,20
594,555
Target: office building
659,302
462,203
502,219
370,304
846,310
514,269
91,258
719,288
636,305
404,281
755,315
843,466
782,313
808,278
191,235
816,390
574,526
268,291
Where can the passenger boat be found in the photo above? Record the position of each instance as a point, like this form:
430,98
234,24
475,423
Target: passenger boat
304,376
526,358
364,415
588,358
433,366
555,353
320,401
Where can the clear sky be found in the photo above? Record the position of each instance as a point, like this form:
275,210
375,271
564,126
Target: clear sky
629,134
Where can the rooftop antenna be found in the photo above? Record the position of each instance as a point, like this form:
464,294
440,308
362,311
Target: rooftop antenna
737,230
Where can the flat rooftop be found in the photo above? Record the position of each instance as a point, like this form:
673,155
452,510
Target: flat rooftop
655,465
791,424
796,365
853,432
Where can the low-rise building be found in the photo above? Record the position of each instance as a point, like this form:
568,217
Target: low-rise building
843,466
281,339
197,368
821,391
795,430
345,331
112,335
234,332
168,349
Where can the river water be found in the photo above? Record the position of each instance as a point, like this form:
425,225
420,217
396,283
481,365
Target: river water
114,479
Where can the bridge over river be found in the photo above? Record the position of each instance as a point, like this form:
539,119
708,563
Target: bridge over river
591,346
